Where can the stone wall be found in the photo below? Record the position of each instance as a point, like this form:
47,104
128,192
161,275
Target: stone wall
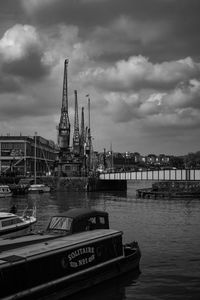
84,184
67,183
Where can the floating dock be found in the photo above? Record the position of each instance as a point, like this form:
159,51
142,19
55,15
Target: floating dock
171,189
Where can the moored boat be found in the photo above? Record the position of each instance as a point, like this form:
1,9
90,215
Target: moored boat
13,225
18,189
40,188
5,191
62,224
69,262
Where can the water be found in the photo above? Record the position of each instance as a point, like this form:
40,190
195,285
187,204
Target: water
168,232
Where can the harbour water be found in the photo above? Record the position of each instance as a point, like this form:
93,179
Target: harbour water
168,232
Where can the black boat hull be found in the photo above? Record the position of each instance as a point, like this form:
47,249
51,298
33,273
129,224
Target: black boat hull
68,264
64,287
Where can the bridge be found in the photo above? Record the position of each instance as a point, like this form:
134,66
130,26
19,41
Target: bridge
172,174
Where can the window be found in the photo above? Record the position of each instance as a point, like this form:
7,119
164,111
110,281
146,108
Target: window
102,220
60,223
67,168
10,222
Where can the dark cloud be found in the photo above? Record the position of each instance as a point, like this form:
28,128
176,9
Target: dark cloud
178,22
11,10
9,84
29,67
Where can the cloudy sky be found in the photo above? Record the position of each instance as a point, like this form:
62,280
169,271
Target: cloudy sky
139,60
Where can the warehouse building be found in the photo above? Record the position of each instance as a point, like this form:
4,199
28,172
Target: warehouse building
26,156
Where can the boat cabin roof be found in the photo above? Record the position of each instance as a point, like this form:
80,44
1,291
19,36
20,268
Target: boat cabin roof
77,220
6,215
79,213
26,181
3,186
37,185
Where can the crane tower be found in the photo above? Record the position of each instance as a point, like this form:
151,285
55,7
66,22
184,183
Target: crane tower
76,136
64,124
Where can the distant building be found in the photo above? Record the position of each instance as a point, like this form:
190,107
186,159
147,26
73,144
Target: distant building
151,159
20,154
163,159
129,161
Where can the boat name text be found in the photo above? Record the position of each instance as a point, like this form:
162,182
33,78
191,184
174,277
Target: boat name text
76,261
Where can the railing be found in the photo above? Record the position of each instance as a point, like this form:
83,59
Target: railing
185,174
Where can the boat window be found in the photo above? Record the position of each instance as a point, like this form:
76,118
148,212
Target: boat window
11,222
102,220
60,223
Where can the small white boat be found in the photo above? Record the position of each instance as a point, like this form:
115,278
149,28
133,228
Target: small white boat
13,225
5,191
40,188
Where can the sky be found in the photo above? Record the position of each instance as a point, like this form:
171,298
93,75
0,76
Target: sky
139,61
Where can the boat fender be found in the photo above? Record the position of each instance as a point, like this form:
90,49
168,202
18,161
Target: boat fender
99,250
64,262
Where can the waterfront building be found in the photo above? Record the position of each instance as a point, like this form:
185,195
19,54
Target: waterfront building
19,155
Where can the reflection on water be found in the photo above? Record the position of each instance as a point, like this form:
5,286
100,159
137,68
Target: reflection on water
115,289
167,231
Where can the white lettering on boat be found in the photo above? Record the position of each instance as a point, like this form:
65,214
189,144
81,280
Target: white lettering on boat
75,259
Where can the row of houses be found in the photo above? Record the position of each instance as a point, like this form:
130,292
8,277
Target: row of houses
130,161
149,159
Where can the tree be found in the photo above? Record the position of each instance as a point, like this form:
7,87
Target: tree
177,162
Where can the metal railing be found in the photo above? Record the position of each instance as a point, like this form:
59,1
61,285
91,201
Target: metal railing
177,174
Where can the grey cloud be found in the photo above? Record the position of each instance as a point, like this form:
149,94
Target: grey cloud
22,53
139,73
18,105
30,67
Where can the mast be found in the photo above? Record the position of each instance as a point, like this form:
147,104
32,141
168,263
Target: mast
76,136
111,152
82,136
89,135
35,159
64,125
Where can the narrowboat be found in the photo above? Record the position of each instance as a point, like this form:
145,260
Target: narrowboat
69,262
13,225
